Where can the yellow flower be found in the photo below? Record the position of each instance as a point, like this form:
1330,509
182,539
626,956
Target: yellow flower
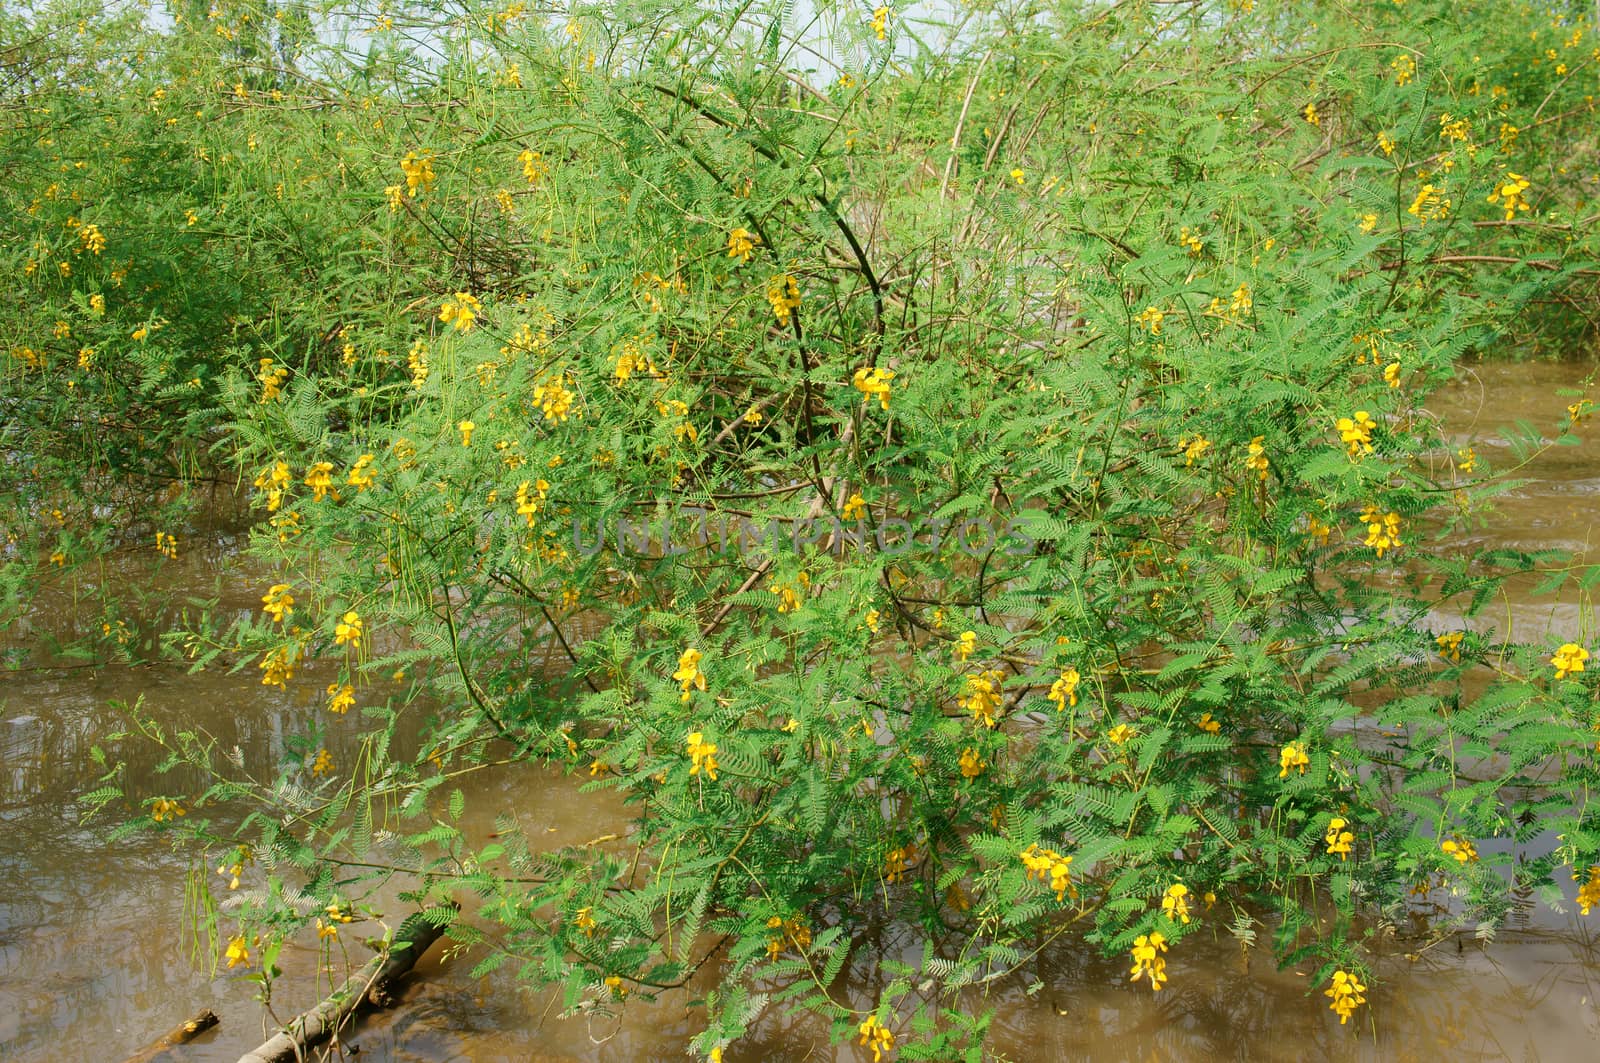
1147,960
1589,893
702,754
460,311
874,382
348,630
880,26
1580,410
584,921
783,292
1256,459
1356,432
966,644
1150,319
1175,903
689,675
871,620
1450,646
1064,691
873,1034
466,428
92,238
1431,203
278,602
1190,239
1018,176
1386,143
982,696
237,952
1569,659
343,698
1510,192
1468,458
277,667
163,809
1207,724
854,507
361,474
533,165
1120,734
530,496
1404,67
167,546
1369,222
323,763
1192,449
742,244
972,764
1047,863
1383,530
271,377
419,172
319,478
1293,755
614,983
1462,850
1311,114
1391,374
327,930
1346,993
1338,838
273,481
97,303
789,594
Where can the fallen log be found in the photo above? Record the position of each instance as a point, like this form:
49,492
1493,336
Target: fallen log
370,985
178,1035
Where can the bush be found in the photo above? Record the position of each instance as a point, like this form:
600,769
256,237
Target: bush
1048,537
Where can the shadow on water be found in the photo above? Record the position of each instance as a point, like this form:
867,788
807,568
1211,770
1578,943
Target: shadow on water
94,960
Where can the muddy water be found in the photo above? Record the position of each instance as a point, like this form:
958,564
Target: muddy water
94,962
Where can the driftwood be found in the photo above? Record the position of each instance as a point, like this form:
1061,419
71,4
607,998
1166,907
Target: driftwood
179,1035
370,985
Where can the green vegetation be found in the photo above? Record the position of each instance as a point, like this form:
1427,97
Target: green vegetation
1084,344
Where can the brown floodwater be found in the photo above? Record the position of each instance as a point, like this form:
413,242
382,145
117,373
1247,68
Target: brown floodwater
95,961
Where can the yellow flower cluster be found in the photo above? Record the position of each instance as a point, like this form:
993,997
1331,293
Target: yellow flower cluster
1150,319
790,595
361,474
272,377
982,696
1569,659
1064,691
1293,755
1049,865
1175,902
348,630
1356,432
787,933
1511,193
1147,959
1192,448
783,292
342,698
689,675
874,382
1461,849
1346,993
163,809
1120,734
1338,838
880,21
277,667
972,763
237,952
1256,459
874,1034
1190,239
530,497
93,240
702,754
1431,204
1589,892
554,399
1450,646
319,477
166,546
419,172
278,602
899,860
1404,68
742,244
1383,529
460,311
